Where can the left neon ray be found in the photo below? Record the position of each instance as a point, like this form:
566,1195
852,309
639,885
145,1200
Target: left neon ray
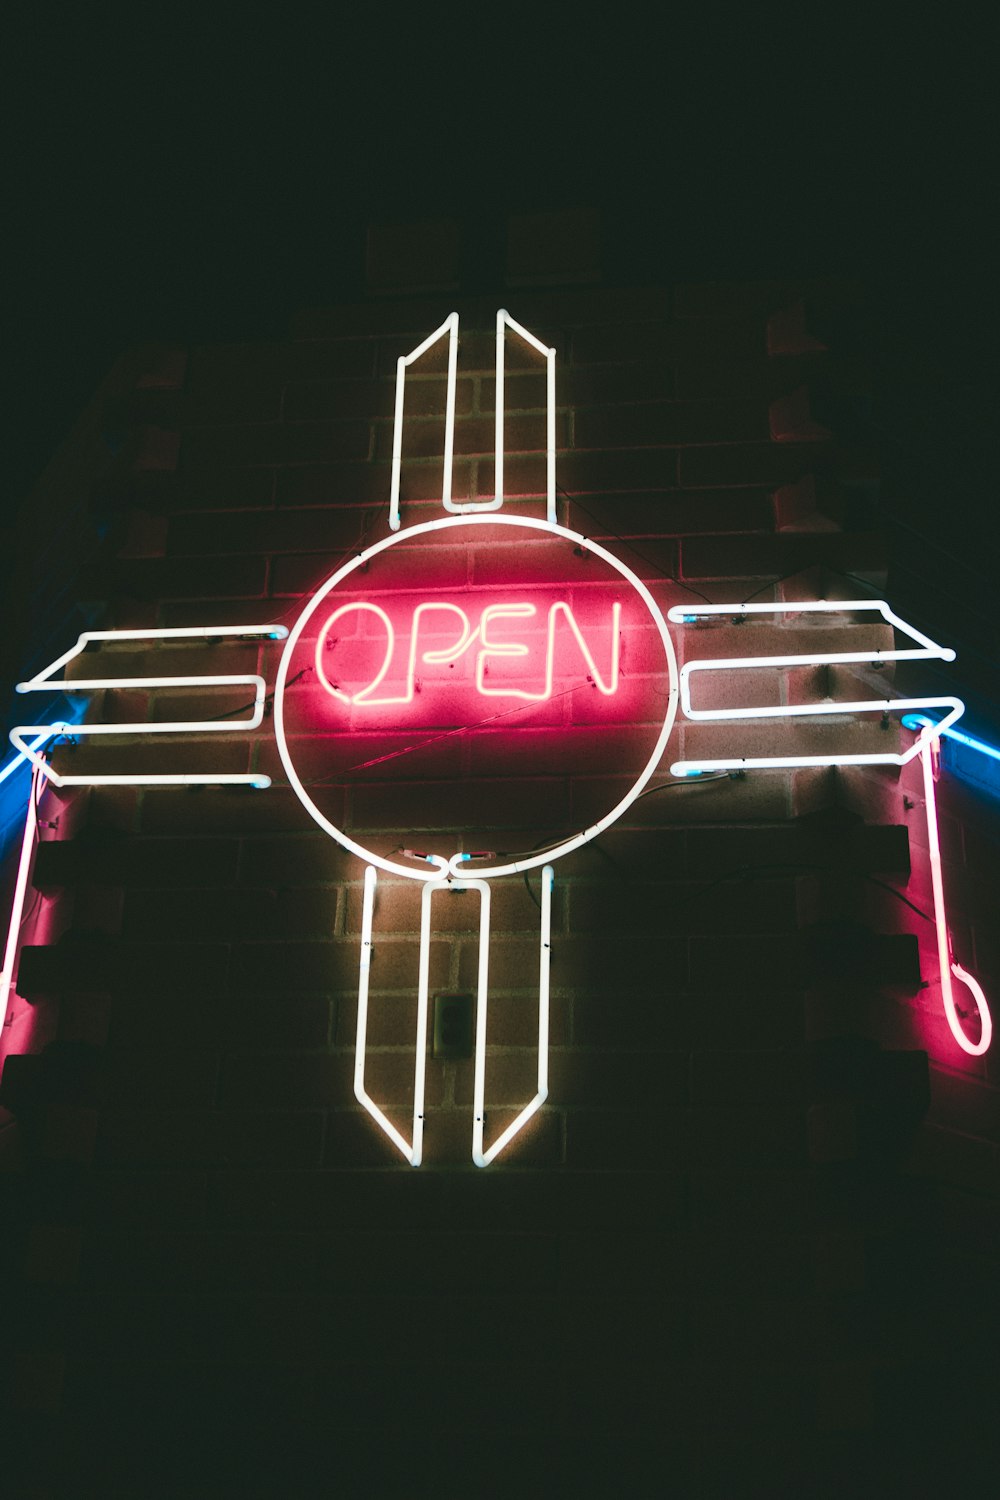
29,738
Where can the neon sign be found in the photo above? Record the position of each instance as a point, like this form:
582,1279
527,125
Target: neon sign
491,649
366,656
926,746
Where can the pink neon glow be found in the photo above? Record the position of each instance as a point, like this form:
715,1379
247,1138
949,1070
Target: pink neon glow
320,759
492,649
20,887
946,964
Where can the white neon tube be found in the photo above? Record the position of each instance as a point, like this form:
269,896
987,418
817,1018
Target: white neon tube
498,416
550,435
449,327
466,507
946,965
173,633
366,694
926,649
45,681
427,528
20,887
687,614
397,444
423,1009
360,1092
529,338
516,648
505,321
479,1156
412,1151
482,1006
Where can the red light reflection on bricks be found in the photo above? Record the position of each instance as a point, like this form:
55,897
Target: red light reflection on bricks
521,658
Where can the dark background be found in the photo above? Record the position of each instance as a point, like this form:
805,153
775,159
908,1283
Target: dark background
190,177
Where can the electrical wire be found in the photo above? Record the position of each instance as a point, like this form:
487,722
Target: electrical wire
686,781
773,582
597,847
631,546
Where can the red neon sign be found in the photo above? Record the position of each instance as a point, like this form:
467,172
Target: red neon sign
493,633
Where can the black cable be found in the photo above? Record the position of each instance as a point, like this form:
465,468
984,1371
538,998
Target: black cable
36,898
368,524
773,582
445,734
747,872
631,546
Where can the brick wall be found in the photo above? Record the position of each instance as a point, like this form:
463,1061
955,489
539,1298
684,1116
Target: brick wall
729,1254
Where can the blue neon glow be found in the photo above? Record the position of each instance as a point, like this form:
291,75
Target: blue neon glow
981,768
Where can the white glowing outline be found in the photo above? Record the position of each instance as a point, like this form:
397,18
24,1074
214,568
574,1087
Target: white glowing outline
449,326
479,1156
927,649
517,648
412,1150
469,513
505,321
451,653
919,721
530,862
926,747
44,681
21,758
467,507
20,887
